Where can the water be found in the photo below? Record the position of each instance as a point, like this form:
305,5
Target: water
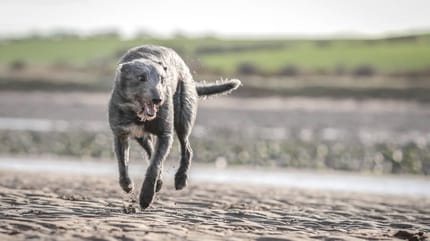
398,185
47,125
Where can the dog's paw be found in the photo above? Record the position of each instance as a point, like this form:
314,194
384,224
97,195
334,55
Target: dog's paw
159,185
147,194
126,184
180,180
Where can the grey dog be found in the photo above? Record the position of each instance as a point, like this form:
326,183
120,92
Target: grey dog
154,94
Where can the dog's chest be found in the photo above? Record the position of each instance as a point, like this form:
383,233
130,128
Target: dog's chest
135,130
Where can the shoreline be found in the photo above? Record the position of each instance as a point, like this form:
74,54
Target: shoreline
319,180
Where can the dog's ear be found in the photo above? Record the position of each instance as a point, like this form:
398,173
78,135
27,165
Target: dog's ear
124,72
124,68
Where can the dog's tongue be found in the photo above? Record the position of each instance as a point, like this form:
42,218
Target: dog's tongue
150,109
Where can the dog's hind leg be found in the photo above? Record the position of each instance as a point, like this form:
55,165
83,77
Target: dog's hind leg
186,157
121,148
185,115
146,143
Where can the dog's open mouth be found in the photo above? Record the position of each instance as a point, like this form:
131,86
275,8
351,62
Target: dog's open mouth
148,112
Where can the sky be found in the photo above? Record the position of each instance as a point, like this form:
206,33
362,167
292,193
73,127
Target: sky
225,18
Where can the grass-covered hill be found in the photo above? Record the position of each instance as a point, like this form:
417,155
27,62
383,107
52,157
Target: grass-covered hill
392,67
395,55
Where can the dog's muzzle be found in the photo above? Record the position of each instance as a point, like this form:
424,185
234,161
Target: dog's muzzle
148,112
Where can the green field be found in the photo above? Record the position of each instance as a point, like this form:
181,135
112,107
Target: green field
384,57
391,55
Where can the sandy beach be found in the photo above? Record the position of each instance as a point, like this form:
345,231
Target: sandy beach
65,201
46,206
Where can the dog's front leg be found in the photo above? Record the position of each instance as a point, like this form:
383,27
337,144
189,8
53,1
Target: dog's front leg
121,151
164,143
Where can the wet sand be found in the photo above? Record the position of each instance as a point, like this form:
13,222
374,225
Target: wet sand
239,112
369,121
46,206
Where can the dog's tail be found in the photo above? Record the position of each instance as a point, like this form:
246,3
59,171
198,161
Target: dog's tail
218,87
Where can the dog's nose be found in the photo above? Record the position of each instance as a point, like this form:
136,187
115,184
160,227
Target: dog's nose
156,101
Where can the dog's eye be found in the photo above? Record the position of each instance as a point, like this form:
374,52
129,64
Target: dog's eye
142,78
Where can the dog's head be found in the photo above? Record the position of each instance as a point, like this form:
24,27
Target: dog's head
142,83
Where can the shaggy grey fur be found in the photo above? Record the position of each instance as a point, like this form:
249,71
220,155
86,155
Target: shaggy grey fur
154,95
